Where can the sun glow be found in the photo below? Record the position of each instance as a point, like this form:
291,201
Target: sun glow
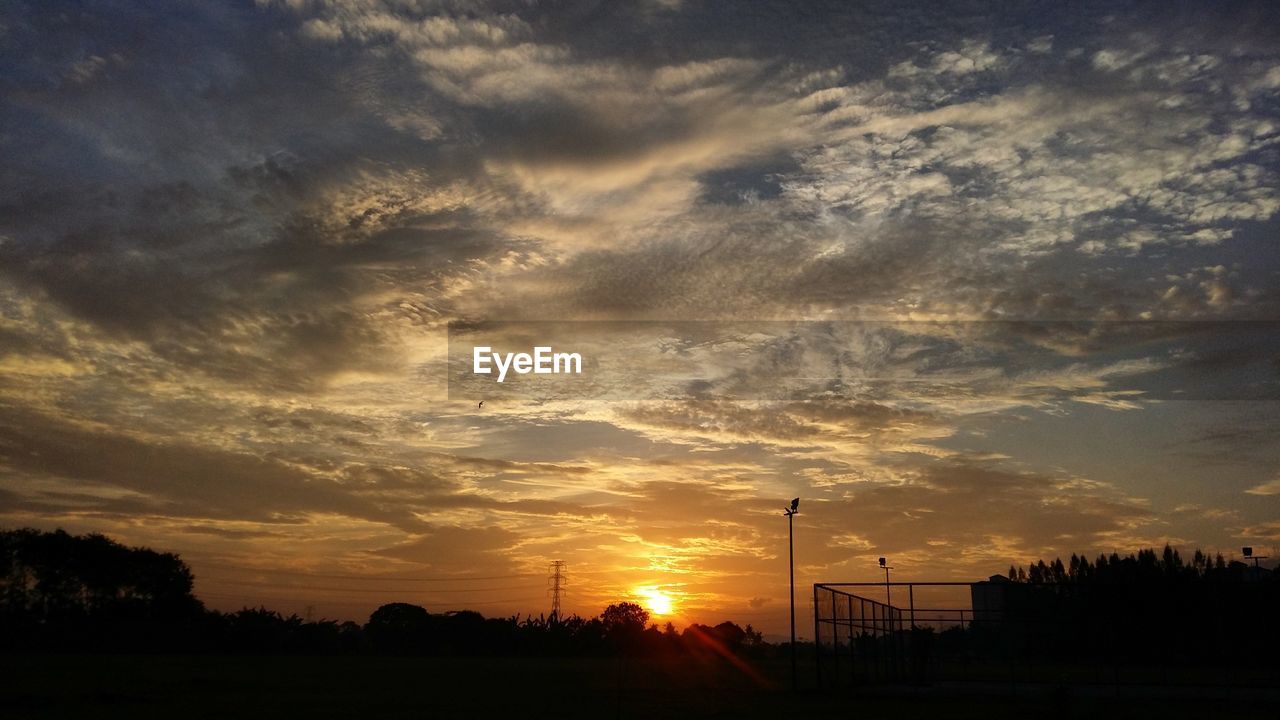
656,601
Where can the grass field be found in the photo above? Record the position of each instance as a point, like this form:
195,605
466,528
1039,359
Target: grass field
133,686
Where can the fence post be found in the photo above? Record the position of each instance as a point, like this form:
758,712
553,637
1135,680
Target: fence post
835,642
817,639
853,667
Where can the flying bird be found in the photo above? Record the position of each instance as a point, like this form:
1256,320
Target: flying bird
480,405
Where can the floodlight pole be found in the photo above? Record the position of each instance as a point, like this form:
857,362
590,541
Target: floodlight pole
791,569
888,598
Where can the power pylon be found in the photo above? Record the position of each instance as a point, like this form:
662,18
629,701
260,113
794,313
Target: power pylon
557,581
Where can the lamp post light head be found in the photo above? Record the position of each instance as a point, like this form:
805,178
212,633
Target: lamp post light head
882,561
1248,551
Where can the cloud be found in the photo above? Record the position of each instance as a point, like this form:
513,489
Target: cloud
1266,488
116,474
454,548
1263,531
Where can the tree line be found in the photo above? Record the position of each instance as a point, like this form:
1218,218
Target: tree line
89,593
1146,605
1144,566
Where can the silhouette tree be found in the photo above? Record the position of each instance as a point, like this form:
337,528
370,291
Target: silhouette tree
623,623
399,628
58,589
624,618
730,635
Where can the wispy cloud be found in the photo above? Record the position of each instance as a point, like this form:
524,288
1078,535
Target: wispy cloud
1266,488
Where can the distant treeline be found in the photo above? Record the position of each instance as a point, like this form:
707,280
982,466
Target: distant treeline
1146,605
88,593
1145,566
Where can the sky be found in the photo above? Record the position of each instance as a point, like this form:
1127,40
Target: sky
980,283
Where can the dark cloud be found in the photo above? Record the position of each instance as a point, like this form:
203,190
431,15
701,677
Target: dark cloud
179,480
455,548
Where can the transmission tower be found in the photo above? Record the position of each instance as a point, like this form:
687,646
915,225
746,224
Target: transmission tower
557,582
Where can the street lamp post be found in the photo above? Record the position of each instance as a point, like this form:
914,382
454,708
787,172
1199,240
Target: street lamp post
888,598
791,569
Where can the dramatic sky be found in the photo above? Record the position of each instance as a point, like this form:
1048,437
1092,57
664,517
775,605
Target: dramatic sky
979,288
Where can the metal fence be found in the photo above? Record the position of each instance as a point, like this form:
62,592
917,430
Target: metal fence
865,639
997,632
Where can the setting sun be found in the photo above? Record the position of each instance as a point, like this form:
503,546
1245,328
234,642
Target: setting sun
656,601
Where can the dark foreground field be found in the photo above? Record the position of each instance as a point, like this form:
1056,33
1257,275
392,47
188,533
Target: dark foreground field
77,686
